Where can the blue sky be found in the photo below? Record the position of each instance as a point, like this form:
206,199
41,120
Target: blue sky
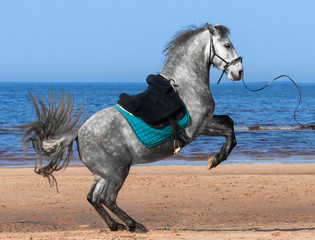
115,41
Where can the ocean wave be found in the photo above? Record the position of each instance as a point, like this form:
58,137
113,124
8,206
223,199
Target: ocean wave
17,130
11,130
275,128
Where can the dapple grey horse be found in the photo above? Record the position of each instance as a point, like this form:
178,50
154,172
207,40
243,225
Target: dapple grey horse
106,143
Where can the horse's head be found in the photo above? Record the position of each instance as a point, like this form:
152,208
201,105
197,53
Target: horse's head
223,56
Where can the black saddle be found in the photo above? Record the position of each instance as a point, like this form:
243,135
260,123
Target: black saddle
157,105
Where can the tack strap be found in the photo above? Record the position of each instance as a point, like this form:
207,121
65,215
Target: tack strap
227,64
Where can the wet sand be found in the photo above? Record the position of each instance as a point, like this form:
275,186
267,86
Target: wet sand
177,202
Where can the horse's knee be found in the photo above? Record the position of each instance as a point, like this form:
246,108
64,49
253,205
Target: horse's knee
103,193
97,191
224,120
234,142
89,198
228,121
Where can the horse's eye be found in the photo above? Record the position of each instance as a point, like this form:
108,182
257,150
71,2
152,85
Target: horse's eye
227,45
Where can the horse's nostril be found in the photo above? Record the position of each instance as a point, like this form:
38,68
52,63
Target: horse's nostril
240,73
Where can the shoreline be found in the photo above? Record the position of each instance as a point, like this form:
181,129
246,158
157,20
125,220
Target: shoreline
145,169
179,162
173,202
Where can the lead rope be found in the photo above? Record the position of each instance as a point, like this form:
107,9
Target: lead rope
300,96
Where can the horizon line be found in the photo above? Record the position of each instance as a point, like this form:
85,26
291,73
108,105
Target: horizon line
127,82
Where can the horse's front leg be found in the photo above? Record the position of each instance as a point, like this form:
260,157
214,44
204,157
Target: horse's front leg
220,126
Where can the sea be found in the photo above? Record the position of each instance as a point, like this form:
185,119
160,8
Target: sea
266,130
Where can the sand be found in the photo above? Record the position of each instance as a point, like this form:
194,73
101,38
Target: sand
177,202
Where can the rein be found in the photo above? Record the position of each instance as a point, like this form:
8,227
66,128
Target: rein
227,64
300,97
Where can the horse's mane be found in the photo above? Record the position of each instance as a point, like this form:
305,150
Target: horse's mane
183,36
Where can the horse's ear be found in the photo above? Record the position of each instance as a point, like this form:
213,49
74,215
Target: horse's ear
216,26
210,28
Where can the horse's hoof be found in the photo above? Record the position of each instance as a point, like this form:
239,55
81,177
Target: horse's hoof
138,228
118,227
212,162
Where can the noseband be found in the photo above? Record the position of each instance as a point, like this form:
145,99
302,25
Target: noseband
227,64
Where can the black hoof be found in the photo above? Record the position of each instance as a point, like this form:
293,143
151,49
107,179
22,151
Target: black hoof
118,227
138,228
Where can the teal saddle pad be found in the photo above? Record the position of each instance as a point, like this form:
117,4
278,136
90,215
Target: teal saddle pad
150,136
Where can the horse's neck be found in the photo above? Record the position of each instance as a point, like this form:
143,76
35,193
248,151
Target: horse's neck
189,67
187,78
190,71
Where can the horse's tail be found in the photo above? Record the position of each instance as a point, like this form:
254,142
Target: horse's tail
53,133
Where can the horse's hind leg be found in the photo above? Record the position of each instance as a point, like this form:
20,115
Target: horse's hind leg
220,126
131,223
105,192
95,191
112,188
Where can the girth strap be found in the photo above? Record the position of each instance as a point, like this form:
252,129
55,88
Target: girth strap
180,139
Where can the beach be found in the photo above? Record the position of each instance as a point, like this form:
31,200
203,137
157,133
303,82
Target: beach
175,202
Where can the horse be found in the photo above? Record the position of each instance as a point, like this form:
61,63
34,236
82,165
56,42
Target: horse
107,145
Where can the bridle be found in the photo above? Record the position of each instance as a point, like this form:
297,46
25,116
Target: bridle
227,64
